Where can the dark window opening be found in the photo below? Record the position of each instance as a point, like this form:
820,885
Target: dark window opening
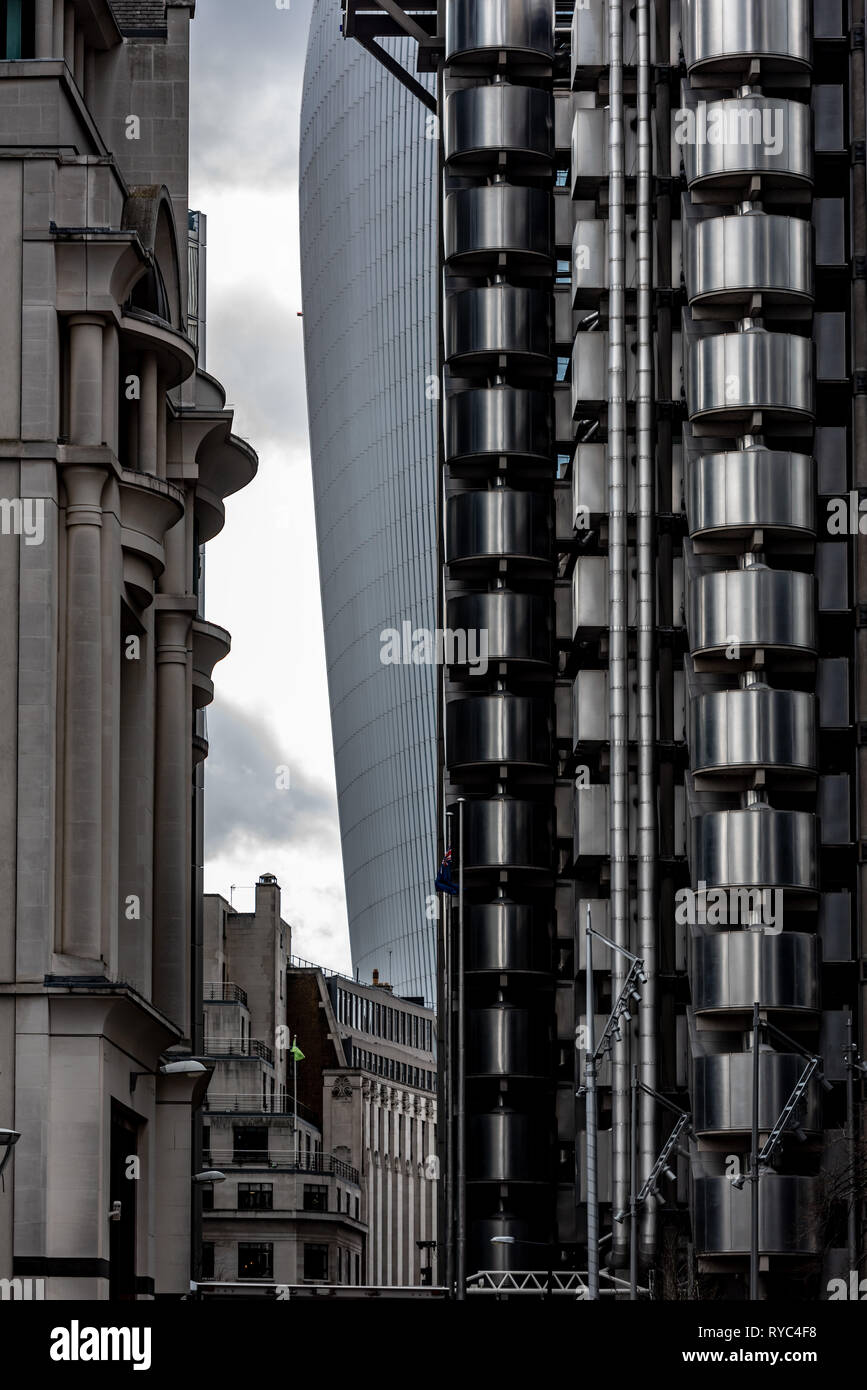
315,1197
18,29
250,1144
255,1196
316,1262
207,1260
256,1260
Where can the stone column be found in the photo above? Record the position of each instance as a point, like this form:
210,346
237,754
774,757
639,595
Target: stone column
172,785
85,380
110,387
45,29
69,35
59,28
82,822
148,414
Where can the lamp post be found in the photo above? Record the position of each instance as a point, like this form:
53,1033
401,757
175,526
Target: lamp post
660,1169
594,1051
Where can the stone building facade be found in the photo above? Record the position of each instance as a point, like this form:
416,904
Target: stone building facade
116,455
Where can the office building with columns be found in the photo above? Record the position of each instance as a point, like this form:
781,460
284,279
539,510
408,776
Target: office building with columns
116,455
328,1164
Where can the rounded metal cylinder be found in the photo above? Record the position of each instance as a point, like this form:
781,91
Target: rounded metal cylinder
729,375
496,525
493,729
507,937
731,140
481,123
744,490
752,608
506,1146
727,258
723,1092
730,970
507,834
499,626
789,1216
481,224
498,321
480,423
522,29
506,1041
760,847
716,31
753,728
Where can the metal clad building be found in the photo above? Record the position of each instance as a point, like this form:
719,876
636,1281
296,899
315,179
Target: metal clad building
368,244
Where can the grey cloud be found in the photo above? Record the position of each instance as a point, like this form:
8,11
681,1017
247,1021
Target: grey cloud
242,801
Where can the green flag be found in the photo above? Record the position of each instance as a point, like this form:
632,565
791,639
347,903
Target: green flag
295,1051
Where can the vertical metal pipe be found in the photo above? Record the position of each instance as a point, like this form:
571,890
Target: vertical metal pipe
754,1166
852,1214
633,1189
461,1164
590,1126
645,1139
617,591
448,1005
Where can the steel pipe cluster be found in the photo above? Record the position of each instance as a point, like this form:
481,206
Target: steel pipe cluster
498,257
751,604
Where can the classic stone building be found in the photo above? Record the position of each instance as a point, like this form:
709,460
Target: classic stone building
336,1185
116,454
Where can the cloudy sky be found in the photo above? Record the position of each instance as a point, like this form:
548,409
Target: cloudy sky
269,723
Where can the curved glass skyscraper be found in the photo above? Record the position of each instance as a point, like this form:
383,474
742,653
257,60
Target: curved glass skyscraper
368,252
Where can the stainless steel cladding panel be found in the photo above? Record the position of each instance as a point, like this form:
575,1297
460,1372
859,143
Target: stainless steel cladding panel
482,121
507,834
482,223
745,490
789,1216
507,937
730,970
524,27
714,31
753,728
741,136
506,1041
734,373
497,319
484,525
723,1092
498,729
501,626
503,1146
760,847
726,257
756,607
500,421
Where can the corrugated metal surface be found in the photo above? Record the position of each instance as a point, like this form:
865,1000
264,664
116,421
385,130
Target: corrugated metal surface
368,254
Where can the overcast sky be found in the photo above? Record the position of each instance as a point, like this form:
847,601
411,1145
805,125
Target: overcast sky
271,707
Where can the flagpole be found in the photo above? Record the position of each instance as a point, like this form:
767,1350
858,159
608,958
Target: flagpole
449,991
295,1095
461,1077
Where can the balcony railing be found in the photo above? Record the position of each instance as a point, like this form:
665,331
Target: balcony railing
253,1103
326,1165
225,994
239,1047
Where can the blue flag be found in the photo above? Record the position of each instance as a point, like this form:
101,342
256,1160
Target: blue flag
444,881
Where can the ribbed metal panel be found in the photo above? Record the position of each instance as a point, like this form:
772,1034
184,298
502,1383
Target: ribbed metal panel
716,31
760,847
744,490
481,123
755,608
730,970
729,375
368,251
753,728
789,1216
726,258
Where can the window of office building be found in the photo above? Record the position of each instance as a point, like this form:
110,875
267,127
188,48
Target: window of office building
250,1143
17,28
315,1197
316,1262
255,1260
255,1196
415,1030
207,1259
208,1197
